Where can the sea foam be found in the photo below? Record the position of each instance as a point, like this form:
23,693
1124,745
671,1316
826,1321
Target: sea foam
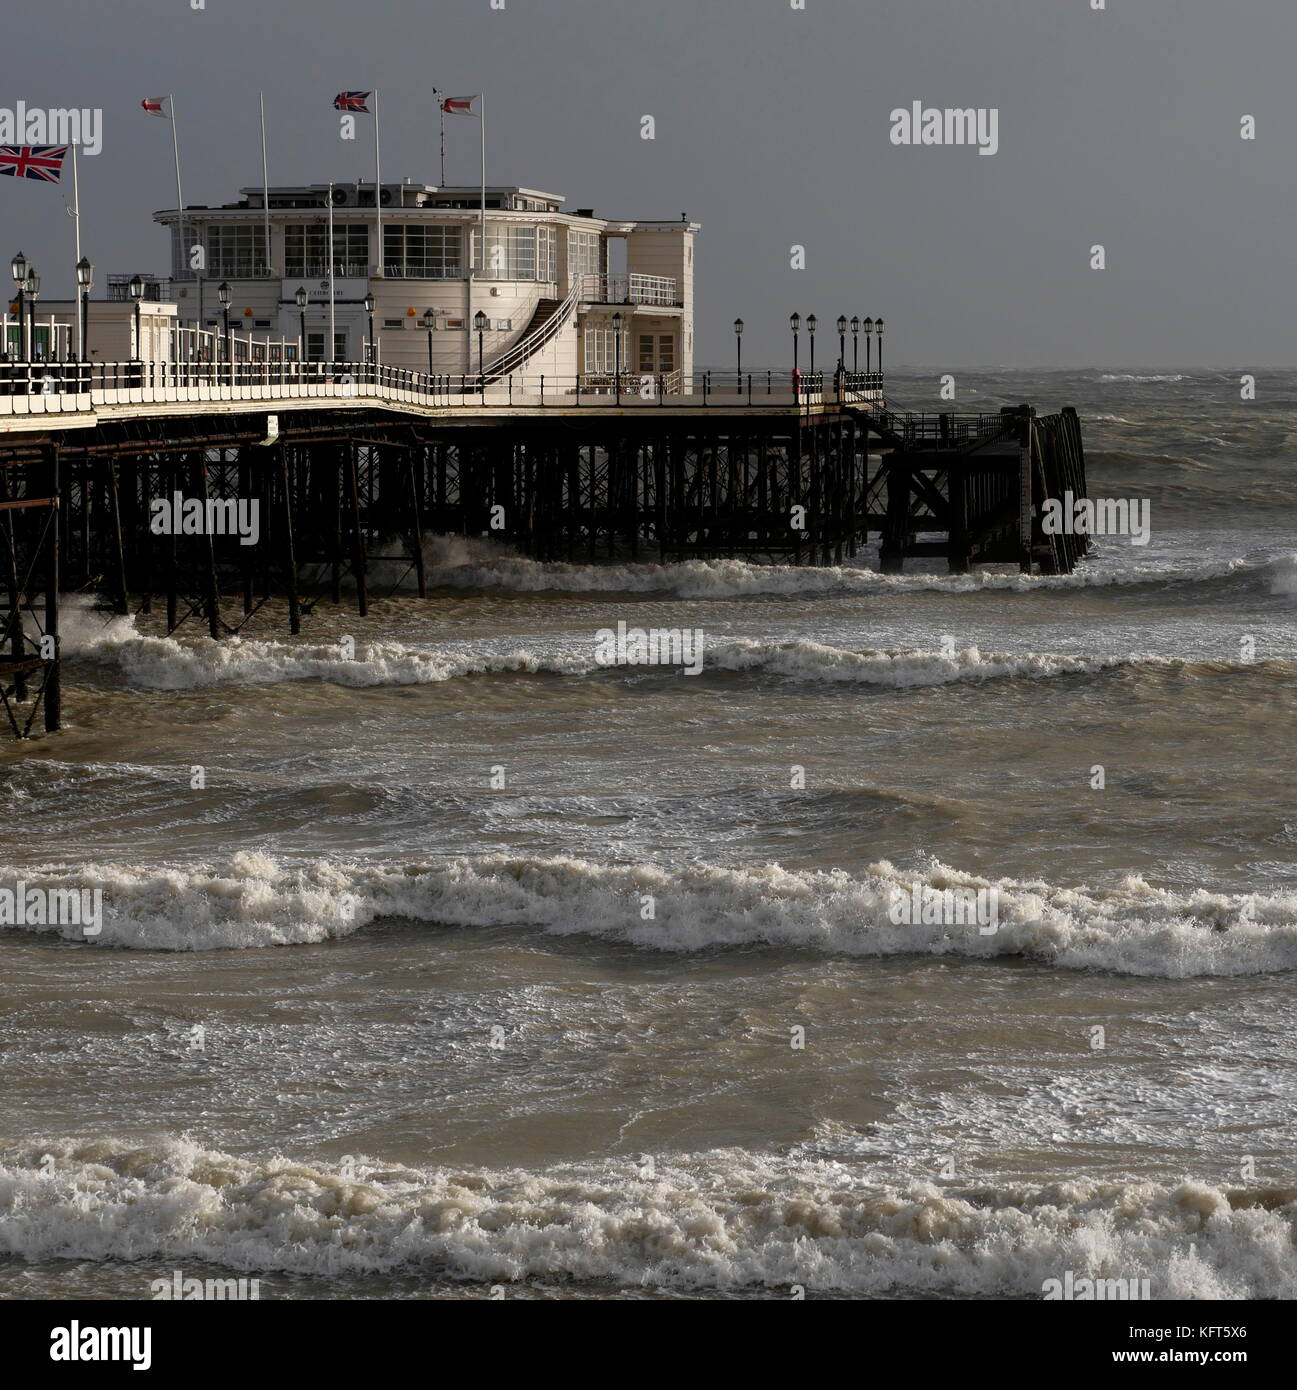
725,1220
252,900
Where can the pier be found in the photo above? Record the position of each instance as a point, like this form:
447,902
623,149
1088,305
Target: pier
351,465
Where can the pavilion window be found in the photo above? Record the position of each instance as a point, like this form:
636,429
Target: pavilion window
236,251
306,254
417,251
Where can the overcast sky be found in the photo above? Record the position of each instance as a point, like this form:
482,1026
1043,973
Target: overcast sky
1119,128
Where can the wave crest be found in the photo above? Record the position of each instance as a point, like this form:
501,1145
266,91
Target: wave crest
1132,928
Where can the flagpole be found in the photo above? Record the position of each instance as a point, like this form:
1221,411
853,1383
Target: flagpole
441,107
265,185
180,203
333,336
76,223
482,118
380,258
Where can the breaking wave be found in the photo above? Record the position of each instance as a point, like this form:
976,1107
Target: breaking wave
724,1220
253,900
164,663
459,563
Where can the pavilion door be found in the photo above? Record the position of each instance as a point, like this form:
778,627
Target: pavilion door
656,354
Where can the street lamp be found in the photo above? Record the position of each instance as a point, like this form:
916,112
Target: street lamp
842,343
738,350
878,328
85,283
369,309
616,329
812,323
855,344
224,295
18,267
300,299
429,321
795,323
33,294
869,345
480,322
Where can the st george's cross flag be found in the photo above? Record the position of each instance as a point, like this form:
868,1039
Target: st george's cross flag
459,106
351,101
43,162
155,106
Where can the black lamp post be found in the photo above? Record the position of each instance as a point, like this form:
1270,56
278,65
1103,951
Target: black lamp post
225,296
738,350
855,344
878,328
18,268
842,343
369,309
480,322
869,345
795,323
616,330
812,323
429,321
300,299
33,294
85,283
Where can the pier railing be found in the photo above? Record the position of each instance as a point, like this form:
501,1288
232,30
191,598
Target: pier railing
54,388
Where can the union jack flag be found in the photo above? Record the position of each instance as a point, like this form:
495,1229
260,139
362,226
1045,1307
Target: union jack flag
350,101
44,162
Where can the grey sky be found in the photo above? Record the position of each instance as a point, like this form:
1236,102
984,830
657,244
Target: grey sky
1118,127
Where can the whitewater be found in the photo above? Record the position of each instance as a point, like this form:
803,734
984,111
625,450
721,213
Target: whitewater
437,956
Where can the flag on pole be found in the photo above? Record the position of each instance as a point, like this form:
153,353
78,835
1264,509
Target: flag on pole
351,101
43,162
459,106
155,106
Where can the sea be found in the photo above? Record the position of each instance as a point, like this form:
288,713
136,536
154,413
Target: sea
450,962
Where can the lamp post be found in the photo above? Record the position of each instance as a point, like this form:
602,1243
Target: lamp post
33,294
812,323
18,267
225,295
480,322
855,344
869,345
842,344
300,299
616,331
429,321
738,351
878,328
795,323
369,309
85,283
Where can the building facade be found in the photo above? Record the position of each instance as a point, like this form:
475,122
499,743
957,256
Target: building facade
561,292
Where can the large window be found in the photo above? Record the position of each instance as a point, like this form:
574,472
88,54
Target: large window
417,251
600,350
236,250
305,253
517,253
546,255
584,253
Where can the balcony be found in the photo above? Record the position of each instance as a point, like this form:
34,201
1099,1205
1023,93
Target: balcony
630,289
157,289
